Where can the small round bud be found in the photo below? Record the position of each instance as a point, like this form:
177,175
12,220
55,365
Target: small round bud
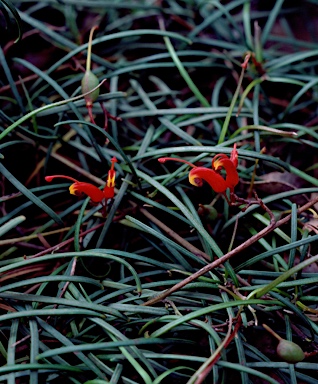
208,212
89,82
290,351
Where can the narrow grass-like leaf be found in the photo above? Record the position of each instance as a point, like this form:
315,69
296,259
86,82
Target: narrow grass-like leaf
102,39
175,129
280,249
184,210
294,309
33,366
64,340
248,370
184,73
11,349
115,334
8,175
36,111
213,16
159,332
164,239
285,60
102,346
11,224
34,348
284,276
271,20
293,236
13,86
49,312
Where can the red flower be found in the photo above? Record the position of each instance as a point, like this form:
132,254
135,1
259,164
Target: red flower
96,195
213,176
110,183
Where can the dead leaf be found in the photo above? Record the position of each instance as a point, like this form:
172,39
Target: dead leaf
277,182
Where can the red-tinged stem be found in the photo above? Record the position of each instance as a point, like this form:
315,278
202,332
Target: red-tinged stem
209,364
246,60
64,243
259,235
113,160
107,116
50,178
89,107
164,159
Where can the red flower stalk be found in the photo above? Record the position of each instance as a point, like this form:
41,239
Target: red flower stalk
96,195
213,176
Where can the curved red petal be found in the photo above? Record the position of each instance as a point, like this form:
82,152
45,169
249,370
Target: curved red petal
214,179
109,192
90,190
232,177
217,161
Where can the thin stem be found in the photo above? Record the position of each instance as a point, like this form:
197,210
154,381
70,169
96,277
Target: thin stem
32,236
164,159
201,374
50,178
89,48
273,333
64,243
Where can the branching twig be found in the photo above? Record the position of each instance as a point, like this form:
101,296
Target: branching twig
205,368
175,236
63,243
273,225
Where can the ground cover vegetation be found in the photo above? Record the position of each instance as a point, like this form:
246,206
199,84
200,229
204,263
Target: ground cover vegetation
159,191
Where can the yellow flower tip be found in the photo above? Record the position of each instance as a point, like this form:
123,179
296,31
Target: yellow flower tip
195,180
111,179
218,163
110,183
88,189
73,190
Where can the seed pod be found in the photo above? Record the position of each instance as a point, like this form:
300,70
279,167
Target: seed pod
290,351
89,82
287,350
208,212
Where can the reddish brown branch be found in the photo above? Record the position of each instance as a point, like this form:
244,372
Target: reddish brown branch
272,226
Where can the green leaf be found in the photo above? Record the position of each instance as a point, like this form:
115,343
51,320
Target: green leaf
8,175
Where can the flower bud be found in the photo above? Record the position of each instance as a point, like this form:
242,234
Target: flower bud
208,212
290,351
89,82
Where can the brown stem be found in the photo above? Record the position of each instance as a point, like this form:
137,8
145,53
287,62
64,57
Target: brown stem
273,333
227,256
175,236
68,241
229,337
